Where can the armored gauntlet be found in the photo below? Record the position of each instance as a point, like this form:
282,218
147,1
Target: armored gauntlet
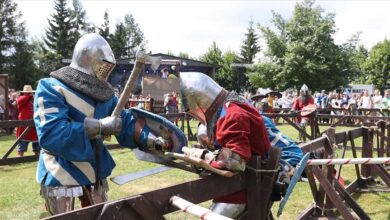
96,128
158,143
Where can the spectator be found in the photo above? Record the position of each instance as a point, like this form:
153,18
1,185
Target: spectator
2,107
147,103
133,100
170,105
141,102
286,100
26,112
377,99
324,99
386,102
336,104
352,104
164,73
344,103
365,100
12,107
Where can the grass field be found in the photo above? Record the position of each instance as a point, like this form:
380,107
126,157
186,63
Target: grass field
19,194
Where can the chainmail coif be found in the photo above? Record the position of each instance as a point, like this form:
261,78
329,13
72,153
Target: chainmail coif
84,83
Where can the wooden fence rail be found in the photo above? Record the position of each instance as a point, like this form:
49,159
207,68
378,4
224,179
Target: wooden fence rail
154,204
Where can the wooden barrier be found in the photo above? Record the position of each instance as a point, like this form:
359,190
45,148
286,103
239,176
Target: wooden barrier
154,204
330,193
183,118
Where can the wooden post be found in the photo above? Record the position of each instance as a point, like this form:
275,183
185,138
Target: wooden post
367,150
328,170
331,194
388,140
381,134
260,185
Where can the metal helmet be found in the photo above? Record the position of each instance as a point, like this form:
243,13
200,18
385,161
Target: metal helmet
93,55
304,88
201,95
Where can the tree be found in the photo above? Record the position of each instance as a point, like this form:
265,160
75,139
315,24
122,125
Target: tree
250,47
184,55
59,37
16,57
23,70
302,50
104,29
127,38
263,75
80,25
118,41
46,60
377,65
11,32
225,75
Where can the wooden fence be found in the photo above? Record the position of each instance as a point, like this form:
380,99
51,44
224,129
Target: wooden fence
184,121
154,204
328,196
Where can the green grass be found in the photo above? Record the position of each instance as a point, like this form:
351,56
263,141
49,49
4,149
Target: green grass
19,197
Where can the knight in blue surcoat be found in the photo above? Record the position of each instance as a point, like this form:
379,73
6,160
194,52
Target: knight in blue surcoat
72,115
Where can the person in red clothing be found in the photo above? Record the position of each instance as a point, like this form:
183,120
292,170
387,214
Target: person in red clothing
26,112
233,126
302,101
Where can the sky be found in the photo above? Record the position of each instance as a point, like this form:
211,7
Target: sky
192,26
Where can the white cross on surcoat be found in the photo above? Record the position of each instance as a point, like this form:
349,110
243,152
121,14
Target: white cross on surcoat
42,111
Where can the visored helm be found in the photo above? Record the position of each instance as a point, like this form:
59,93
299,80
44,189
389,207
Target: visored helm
201,95
93,55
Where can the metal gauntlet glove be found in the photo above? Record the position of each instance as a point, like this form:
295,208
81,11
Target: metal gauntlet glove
158,143
96,128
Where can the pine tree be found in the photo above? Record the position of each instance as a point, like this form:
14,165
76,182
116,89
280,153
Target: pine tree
250,46
16,57
11,30
79,17
58,35
118,41
104,29
127,38
23,70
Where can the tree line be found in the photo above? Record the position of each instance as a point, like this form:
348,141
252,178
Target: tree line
297,50
27,61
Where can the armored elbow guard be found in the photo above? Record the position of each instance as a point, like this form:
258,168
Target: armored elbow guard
229,160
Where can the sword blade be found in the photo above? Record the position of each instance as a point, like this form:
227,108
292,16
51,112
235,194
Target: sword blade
163,160
120,180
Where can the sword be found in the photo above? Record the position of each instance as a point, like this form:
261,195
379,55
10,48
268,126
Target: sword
297,175
144,156
120,180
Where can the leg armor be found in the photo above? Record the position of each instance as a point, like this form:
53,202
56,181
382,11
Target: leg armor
229,210
93,194
61,199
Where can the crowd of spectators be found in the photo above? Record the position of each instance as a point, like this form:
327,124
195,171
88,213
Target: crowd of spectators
334,103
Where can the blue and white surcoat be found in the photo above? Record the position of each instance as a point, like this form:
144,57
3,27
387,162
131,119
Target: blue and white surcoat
290,151
69,157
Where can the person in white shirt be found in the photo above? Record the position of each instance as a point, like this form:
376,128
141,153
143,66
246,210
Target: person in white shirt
377,99
164,73
366,101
